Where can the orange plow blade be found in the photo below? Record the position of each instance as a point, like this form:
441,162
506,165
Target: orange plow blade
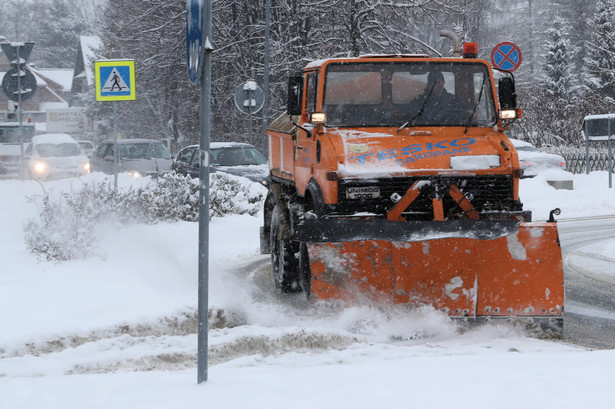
519,274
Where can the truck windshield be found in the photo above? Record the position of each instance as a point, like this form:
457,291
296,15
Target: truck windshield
9,133
409,94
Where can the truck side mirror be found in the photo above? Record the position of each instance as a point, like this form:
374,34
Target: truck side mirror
506,93
295,92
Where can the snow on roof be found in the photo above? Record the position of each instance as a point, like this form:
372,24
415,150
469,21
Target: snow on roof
53,138
63,77
599,116
218,145
133,140
45,106
41,83
89,46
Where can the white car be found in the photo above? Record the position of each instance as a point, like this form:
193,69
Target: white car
534,161
53,156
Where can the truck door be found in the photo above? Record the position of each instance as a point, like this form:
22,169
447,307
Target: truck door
305,149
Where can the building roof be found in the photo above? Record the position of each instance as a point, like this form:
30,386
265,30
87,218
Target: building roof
62,77
89,46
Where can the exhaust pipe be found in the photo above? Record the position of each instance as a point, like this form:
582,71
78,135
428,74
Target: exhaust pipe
453,37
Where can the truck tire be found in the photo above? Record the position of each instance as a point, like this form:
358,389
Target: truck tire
284,262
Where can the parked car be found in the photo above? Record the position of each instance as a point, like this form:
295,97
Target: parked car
138,157
533,160
52,156
236,158
87,147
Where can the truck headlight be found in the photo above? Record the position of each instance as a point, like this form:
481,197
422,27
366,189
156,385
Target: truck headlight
510,114
474,162
319,117
86,167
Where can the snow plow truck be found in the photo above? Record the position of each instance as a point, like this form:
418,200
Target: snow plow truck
392,181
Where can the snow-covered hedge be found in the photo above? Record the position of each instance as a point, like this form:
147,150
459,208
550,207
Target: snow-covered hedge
66,226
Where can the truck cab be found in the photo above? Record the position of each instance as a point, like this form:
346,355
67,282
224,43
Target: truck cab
362,130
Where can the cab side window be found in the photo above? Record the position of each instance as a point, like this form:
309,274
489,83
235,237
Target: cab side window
312,81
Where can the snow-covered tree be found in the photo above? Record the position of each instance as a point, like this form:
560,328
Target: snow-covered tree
556,67
17,19
57,34
153,34
600,59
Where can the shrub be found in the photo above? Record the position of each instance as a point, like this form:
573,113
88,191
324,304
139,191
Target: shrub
66,226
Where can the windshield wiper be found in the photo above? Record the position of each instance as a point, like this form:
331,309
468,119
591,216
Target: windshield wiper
480,95
420,111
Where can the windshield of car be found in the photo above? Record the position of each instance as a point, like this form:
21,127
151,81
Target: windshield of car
47,150
415,93
237,156
144,150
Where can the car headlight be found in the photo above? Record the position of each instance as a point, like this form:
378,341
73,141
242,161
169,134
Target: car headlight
135,174
86,167
39,167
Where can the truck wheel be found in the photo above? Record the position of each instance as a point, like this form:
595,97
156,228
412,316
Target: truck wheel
284,263
305,273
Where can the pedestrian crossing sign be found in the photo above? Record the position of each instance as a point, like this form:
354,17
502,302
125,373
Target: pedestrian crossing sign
115,80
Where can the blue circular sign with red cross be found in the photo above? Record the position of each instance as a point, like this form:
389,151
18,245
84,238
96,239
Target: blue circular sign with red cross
506,56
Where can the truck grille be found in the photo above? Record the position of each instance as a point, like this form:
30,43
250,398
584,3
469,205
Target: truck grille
486,193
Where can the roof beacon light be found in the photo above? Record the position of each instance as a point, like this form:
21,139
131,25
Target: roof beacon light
470,50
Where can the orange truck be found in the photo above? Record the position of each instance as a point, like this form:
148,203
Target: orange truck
392,181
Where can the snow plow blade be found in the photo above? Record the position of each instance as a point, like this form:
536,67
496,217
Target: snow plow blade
514,271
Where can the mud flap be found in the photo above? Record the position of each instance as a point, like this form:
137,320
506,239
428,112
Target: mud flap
519,274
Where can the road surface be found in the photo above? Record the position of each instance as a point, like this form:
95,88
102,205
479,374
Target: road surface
590,291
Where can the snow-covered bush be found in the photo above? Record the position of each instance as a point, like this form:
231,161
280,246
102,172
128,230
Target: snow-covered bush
66,226
63,231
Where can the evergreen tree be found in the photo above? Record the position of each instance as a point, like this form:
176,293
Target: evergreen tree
556,67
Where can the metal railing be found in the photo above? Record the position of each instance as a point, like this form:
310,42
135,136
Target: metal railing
575,162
